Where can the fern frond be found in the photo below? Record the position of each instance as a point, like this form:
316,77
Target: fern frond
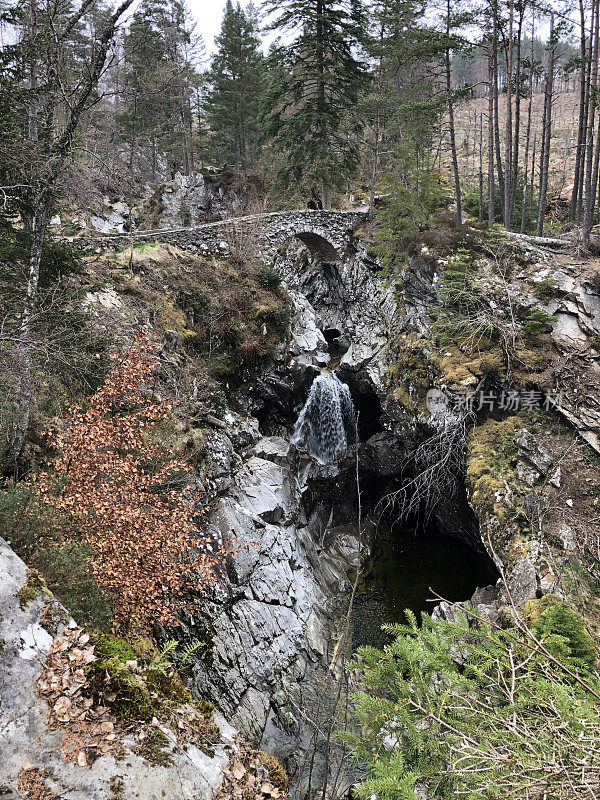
189,651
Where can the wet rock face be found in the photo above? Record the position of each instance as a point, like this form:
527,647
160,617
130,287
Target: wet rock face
346,297
271,624
271,619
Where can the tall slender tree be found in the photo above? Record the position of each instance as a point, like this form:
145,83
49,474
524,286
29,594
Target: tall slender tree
160,73
68,70
312,108
546,129
237,80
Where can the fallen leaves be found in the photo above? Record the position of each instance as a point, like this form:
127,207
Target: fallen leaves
90,730
124,495
248,778
32,785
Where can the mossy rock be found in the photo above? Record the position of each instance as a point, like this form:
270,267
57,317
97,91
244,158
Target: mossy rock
152,748
169,686
129,697
54,616
145,691
277,773
143,647
114,647
34,586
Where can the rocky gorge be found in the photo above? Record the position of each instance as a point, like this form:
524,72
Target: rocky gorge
277,627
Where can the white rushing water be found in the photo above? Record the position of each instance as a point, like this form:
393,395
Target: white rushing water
326,426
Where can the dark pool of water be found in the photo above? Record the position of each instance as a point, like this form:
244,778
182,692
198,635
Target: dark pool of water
405,567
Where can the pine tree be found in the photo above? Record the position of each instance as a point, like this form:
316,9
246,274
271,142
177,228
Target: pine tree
466,708
156,121
236,83
312,115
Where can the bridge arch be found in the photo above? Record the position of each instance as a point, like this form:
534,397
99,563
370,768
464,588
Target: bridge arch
326,234
319,246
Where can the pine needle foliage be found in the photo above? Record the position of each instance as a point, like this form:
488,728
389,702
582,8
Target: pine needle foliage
313,95
450,711
236,84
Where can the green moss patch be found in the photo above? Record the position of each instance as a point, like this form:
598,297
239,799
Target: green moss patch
277,774
34,585
153,747
491,475
134,682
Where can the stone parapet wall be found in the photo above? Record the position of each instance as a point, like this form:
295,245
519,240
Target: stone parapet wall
327,234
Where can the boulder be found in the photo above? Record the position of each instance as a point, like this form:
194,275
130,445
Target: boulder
534,460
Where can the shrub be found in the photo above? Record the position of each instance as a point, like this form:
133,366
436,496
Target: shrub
141,528
270,278
552,617
37,534
546,289
67,571
537,323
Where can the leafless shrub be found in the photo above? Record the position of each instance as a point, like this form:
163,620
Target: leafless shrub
244,232
438,465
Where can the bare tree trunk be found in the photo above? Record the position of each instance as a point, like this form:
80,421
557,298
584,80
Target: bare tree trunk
579,153
588,77
58,152
480,216
508,128
532,182
457,192
377,115
590,189
25,361
517,125
595,175
33,75
491,186
547,127
528,131
495,98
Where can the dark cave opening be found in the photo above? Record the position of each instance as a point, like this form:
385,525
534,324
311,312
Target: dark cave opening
367,405
411,562
411,567
337,343
331,334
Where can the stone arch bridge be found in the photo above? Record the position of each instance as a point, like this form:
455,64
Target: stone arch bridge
327,234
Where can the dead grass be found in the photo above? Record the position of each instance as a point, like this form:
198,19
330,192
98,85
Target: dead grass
32,784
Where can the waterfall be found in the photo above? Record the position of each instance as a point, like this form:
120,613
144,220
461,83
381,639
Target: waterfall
326,425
